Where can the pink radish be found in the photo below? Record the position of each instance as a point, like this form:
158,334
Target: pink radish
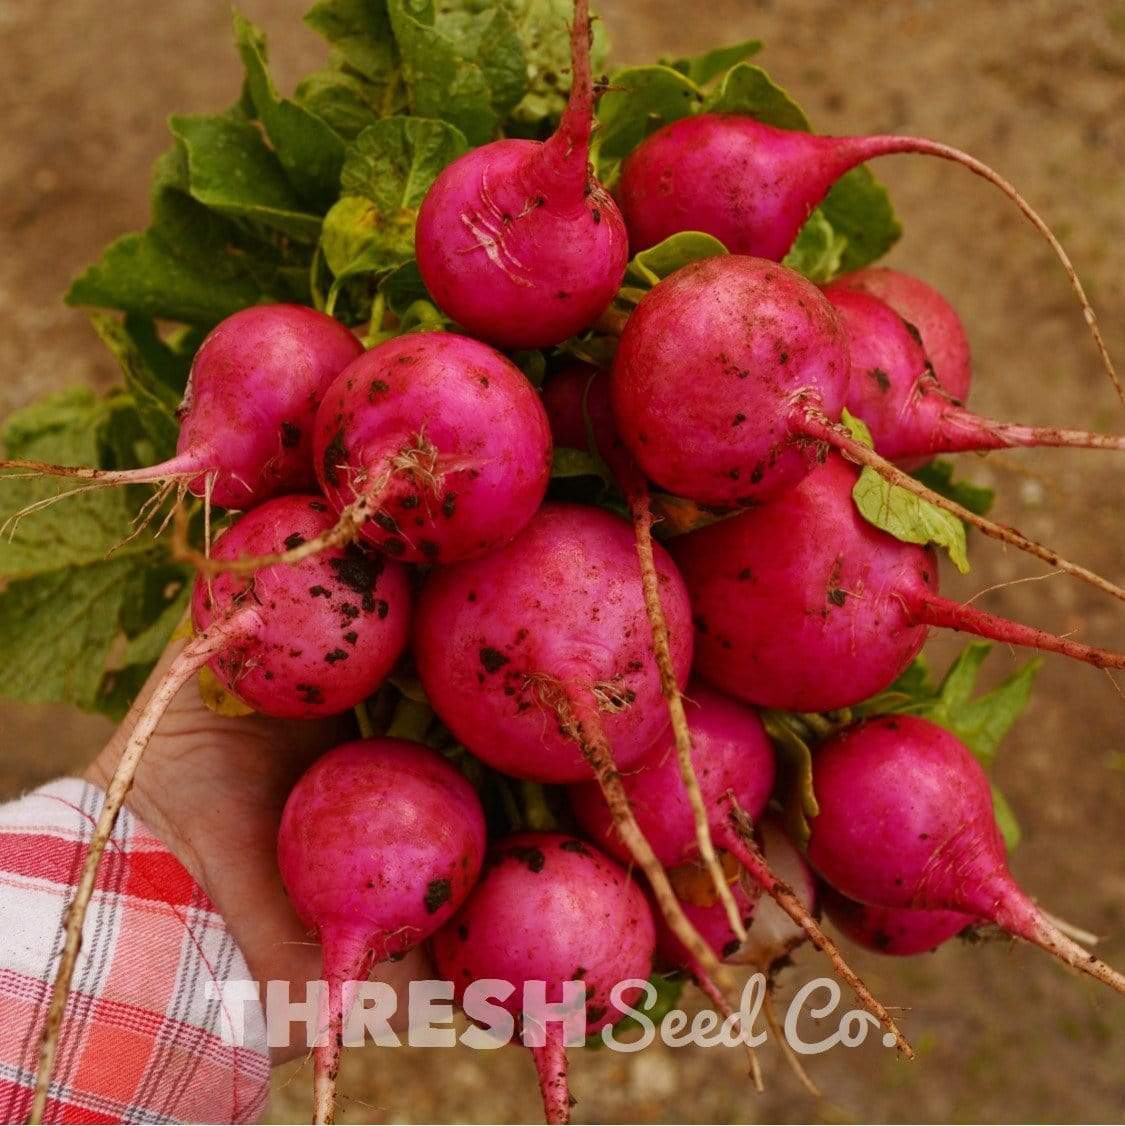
296,642
319,637
551,908
735,766
910,414
896,931
247,415
555,615
929,314
440,441
728,386
537,658
803,605
380,842
906,821
517,241
752,186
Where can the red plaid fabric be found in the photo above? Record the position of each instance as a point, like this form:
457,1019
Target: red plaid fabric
141,1040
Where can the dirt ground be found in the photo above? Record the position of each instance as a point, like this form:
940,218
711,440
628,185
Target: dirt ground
1037,88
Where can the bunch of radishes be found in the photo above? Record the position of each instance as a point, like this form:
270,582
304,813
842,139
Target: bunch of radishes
396,524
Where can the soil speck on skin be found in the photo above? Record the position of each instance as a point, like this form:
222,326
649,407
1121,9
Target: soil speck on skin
357,569
438,893
293,541
492,659
576,846
290,435
335,455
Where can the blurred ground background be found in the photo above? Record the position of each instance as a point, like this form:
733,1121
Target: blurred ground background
1035,87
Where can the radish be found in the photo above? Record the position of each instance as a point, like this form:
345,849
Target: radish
551,908
728,384
912,417
246,420
537,658
752,186
897,931
380,842
906,821
942,335
517,241
803,605
579,409
295,642
431,446
735,764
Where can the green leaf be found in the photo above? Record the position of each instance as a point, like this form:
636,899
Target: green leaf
748,90
361,31
485,32
938,475
169,359
901,514
653,265
1006,820
156,403
567,462
403,286
309,151
860,210
440,81
140,274
668,988
386,175
66,428
640,100
343,101
795,788
231,170
702,68
543,30
62,608
817,251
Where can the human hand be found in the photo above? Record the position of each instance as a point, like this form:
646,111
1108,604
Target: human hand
212,788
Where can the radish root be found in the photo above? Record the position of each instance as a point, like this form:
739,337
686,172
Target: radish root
740,840
650,582
194,655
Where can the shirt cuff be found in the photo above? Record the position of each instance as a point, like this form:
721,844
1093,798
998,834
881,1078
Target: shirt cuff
142,1033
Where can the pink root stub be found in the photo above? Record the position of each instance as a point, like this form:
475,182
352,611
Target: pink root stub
897,931
553,908
939,328
504,643
330,628
712,371
517,241
447,437
730,752
254,388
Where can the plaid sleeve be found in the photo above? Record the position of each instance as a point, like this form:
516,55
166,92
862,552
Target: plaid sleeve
141,1037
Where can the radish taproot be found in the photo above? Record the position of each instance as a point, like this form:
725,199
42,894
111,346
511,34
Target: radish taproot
247,415
380,842
297,642
752,186
537,658
551,908
897,931
803,605
906,821
735,765
517,241
728,386
912,417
